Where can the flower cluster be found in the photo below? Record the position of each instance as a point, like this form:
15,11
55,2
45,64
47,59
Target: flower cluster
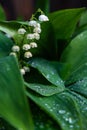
23,50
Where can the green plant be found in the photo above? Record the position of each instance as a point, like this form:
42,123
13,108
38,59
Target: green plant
53,95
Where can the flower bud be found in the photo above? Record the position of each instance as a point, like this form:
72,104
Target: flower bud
37,30
38,25
13,53
33,45
15,48
27,69
22,71
36,36
27,54
30,36
43,18
21,31
26,47
32,23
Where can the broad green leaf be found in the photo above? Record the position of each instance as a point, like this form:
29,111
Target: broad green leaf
5,45
61,107
2,13
13,103
80,87
82,106
42,121
64,22
45,90
80,30
83,19
62,68
75,53
77,75
47,70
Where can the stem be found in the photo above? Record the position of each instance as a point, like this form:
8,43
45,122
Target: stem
44,5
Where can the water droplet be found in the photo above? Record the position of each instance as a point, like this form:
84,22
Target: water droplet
48,76
41,126
51,109
70,120
62,111
71,126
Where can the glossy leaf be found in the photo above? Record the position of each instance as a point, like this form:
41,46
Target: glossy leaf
47,70
62,68
80,87
82,107
13,107
76,53
60,107
64,22
45,90
42,120
5,45
77,75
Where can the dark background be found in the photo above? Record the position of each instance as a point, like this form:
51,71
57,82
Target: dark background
24,8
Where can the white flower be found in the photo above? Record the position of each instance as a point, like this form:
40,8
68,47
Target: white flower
33,45
36,36
15,48
30,36
13,53
43,17
21,31
38,25
27,69
26,47
27,54
33,23
37,30
22,71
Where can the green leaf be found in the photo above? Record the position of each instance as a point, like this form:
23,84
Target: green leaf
77,75
5,45
13,103
75,53
2,13
82,106
83,19
47,70
42,120
61,107
80,30
64,22
80,87
45,90
62,68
